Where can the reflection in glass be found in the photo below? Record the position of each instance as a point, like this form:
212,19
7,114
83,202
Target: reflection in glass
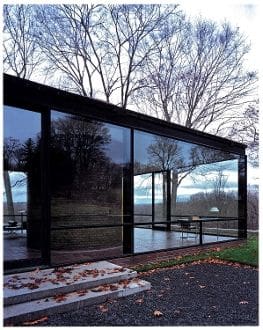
211,187
200,179
89,164
160,196
22,186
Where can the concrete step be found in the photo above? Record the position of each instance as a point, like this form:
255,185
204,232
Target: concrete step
25,287
32,295
32,310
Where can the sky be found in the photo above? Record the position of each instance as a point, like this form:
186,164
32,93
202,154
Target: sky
192,184
242,14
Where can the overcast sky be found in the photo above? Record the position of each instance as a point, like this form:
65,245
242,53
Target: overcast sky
242,14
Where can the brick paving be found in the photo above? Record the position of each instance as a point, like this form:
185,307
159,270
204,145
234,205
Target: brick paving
140,259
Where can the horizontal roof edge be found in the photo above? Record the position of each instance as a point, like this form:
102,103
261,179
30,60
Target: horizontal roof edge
9,79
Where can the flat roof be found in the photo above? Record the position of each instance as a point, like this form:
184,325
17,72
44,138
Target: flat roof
37,97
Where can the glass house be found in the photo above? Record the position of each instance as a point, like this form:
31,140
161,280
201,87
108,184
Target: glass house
87,180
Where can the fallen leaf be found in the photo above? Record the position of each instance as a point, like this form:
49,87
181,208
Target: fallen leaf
113,287
81,293
42,319
157,313
124,283
98,289
103,308
60,298
139,301
243,302
32,286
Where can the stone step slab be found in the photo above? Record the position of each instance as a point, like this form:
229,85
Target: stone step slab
32,310
38,284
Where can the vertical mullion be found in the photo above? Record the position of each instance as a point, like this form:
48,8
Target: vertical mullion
128,204
242,197
153,199
168,197
45,186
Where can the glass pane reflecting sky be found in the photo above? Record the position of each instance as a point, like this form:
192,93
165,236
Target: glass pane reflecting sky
21,125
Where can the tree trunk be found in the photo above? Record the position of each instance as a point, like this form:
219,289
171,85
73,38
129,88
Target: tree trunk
174,182
9,197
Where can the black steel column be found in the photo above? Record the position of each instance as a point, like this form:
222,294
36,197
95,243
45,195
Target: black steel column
200,232
168,197
242,197
128,201
153,200
45,185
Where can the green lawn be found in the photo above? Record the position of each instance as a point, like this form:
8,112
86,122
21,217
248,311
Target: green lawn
246,253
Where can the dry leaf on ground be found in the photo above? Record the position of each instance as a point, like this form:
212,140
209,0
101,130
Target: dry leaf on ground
60,297
42,319
103,308
157,313
243,302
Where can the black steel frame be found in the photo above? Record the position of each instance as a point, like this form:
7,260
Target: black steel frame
168,198
39,98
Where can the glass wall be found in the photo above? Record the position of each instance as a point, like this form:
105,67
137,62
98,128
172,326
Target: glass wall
90,162
203,185
143,199
22,184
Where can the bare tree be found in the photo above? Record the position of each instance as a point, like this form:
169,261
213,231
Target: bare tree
198,79
133,26
246,130
252,207
215,82
99,50
21,53
167,155
10,147
162,71
149,55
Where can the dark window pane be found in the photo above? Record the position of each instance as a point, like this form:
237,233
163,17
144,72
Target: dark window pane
22,185
89,162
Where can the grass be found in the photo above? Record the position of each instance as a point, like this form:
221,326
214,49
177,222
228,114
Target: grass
246,253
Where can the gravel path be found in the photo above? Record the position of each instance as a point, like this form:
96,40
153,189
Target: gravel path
201,294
